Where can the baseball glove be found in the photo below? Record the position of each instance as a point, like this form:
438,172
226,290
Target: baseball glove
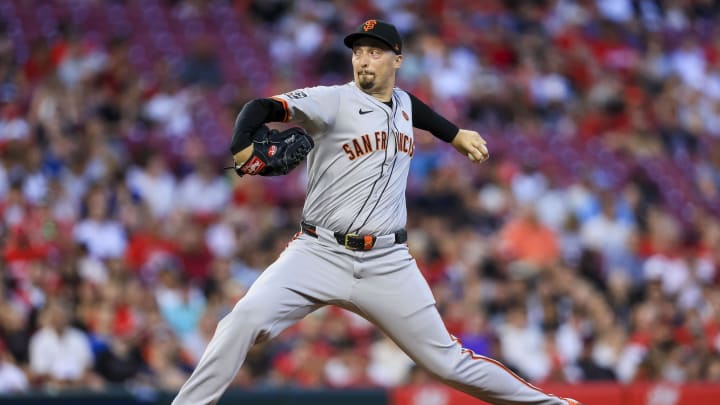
276,153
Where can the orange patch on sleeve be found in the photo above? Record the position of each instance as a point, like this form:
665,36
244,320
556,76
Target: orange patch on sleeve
285,107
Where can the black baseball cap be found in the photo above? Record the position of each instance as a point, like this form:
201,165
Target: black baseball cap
377,29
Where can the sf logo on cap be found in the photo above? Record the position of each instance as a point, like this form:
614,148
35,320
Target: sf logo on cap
369,24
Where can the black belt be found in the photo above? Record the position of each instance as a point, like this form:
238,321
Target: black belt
354,241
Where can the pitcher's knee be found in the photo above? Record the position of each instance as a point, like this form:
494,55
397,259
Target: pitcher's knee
246,317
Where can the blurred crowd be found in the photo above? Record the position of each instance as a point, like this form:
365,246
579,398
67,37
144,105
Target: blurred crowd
586,249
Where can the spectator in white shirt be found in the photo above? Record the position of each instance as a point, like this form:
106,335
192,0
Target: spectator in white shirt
104,237
523,345
155,184
60,355
13,126
170,107
607,233
12,378
204,192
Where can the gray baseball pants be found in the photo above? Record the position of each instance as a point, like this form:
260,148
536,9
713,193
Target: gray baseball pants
385,286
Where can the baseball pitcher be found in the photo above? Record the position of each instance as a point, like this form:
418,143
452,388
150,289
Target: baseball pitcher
352,251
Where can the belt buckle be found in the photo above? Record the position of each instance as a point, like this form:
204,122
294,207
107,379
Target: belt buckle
366,242
347,241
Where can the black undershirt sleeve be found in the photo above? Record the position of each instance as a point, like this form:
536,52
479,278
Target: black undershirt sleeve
253,114
425,118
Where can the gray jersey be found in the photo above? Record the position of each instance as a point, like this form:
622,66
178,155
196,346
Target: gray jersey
357,176
357,172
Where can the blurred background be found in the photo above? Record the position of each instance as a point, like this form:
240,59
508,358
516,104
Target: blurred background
585,250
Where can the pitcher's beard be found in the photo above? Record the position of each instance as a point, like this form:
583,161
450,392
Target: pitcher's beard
366,83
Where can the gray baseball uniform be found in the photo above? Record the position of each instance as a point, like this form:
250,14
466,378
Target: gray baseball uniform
357,177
